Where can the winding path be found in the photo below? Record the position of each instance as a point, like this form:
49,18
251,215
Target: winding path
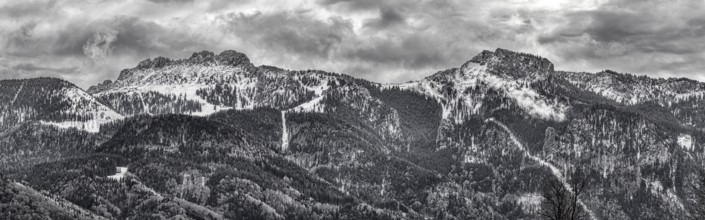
309,106
556,172
285,134
17,93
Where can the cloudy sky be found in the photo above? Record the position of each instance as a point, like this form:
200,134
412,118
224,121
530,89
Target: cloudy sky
89,41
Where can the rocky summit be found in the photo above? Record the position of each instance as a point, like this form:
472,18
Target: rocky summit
215,137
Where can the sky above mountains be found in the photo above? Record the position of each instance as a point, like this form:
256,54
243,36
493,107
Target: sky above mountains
89,41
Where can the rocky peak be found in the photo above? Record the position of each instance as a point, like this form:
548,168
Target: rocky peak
483,57
206,58
202,57
515,64
232,58
154,63
228,57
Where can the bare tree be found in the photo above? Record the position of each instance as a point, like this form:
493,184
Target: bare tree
562,203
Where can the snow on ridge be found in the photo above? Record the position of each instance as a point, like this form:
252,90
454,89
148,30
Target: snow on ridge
183,74
208,78
88,126
475,74
82,103
631,93
103,112
527,98
314,105
188,91
121,171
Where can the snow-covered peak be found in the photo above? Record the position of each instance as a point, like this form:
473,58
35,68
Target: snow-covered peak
464,91
206,83
201,68
631,90
227,58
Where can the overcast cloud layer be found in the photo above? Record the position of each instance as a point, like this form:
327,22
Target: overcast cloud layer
89,41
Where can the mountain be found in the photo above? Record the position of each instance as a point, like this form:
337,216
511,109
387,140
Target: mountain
46,119
215,137
51,101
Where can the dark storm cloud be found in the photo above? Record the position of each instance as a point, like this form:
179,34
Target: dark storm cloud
170,1
94,49
354,4
657,37
295,33
388,17
30,70
639,32
26,8
20,38
414,51
388,41
136,36
385,43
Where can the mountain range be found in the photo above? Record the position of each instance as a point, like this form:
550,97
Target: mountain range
216,137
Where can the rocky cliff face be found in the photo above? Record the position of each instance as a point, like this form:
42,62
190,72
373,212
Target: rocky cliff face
510,63
475,141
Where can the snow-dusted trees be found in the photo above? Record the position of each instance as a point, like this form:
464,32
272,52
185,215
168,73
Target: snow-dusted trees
697,207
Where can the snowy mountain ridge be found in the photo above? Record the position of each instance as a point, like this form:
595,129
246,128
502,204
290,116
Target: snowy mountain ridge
161,85
478,141
462,91
54,102
206,83
631,90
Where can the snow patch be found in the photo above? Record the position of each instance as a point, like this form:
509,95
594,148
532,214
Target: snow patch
314,105
461,105
527,98
530,202
285,134
310,106
120,174
17,93
535,105
188,91
82,103
655,187
685,141
91,126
